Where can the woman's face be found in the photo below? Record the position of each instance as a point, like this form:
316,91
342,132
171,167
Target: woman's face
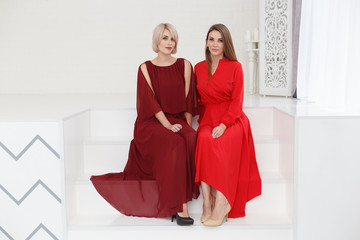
167,43
215,44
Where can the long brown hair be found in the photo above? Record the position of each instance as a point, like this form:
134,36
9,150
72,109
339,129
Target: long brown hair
229,51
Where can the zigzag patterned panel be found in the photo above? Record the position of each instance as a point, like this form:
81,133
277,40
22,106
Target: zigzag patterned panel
31,181
39,182
41,226
37,137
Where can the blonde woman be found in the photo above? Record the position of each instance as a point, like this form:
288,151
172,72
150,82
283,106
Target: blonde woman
158,179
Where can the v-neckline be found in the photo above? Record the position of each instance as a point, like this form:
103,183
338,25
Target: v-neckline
217,67
216,70
212,75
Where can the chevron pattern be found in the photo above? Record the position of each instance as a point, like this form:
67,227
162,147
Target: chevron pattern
41,226
45,229
37,137
6,234
39,182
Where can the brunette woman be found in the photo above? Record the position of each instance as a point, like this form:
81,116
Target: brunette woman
226,166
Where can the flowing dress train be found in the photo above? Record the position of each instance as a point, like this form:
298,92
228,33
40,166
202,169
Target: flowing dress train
159,175
227,163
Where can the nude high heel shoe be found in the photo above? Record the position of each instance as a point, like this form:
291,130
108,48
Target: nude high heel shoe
218,222
206,217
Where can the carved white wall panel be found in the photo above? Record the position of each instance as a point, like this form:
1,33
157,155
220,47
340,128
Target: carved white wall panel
275,47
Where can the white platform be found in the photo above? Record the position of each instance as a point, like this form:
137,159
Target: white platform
294,140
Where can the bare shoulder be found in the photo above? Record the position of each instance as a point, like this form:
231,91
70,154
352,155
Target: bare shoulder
145,73
144,70
187,64
143,67
187,67
187,70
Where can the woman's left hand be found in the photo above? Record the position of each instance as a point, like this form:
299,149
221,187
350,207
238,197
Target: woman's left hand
219,130
175,128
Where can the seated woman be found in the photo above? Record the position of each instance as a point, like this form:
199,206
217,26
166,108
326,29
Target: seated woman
225,160
158,179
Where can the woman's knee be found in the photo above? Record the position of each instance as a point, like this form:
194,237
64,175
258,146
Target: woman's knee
204,133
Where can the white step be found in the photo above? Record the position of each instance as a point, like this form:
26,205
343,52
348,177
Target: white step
120,122
261,120
122,221
110,154
269,216
274,199
181,233
105,154
121,227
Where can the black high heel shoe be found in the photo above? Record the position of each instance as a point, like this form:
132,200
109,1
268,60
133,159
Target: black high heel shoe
182,221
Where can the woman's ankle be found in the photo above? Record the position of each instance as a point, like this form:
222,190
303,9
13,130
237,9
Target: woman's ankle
183,214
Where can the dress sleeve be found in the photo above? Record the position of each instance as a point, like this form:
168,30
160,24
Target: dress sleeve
201,110
192,102
146,103
237,95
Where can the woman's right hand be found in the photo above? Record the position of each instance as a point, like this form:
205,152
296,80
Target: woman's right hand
175,127
219,130
160,116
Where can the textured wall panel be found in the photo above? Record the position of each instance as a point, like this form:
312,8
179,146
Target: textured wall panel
31,181
275,47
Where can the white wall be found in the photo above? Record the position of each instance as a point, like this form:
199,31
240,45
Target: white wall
327,178
94,46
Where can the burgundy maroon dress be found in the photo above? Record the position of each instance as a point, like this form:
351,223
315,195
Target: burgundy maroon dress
226,163
159,175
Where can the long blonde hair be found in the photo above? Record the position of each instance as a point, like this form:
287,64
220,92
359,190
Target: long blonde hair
229,51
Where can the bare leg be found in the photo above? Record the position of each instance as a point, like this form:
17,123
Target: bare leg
221,209
206,192
183,218
185,212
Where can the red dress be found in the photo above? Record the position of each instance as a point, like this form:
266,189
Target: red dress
226,163
159,175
